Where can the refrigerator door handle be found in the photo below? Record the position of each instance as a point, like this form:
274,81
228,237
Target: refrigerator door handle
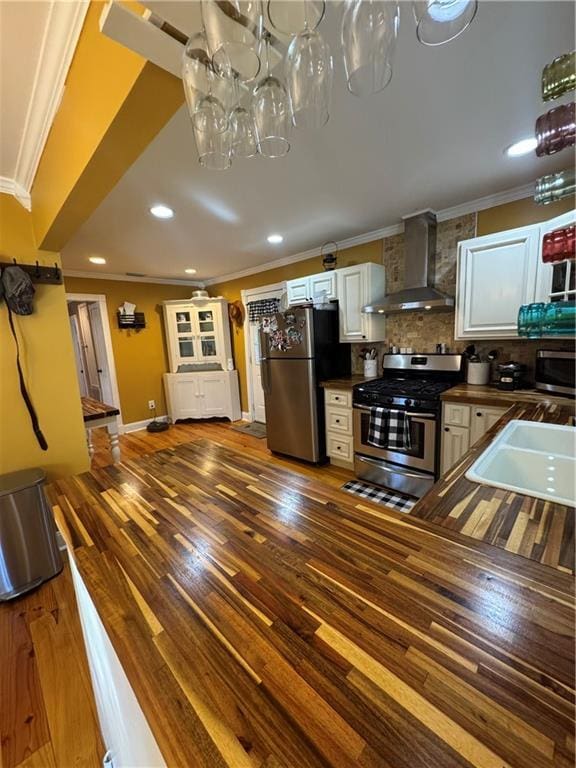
264,377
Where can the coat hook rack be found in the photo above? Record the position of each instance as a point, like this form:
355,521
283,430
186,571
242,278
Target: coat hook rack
38,274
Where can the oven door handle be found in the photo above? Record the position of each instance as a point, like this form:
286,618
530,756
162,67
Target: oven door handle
408,413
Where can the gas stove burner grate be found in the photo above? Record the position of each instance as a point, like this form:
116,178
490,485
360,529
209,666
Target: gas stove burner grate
405,387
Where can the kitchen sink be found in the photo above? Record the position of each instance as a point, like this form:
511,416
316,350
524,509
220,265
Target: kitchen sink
531,458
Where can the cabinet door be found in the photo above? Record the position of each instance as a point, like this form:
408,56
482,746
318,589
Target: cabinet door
213,390
496,275
455,443
351,298
323,285
207,334
298,291
184,398
482,419
182,335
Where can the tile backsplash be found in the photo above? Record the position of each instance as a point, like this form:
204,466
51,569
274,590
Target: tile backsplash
424,331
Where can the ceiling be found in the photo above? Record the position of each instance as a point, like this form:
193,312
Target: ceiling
22,27
433,138
37,42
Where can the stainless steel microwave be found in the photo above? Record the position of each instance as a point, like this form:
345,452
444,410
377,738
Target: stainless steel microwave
555,371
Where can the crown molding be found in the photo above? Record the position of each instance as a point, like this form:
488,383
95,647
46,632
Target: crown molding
59,42
479,204
367,237
11,187
489,201
131,278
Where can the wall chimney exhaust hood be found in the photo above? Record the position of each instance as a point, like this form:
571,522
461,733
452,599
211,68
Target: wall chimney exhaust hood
419,294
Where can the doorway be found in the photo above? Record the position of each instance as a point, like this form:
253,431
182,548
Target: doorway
256,406
92,344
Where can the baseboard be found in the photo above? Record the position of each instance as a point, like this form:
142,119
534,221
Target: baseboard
246,416
136,426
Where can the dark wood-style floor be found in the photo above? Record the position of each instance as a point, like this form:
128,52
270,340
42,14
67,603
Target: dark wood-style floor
265,618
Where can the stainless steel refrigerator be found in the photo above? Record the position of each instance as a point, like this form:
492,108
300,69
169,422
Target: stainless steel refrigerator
300,348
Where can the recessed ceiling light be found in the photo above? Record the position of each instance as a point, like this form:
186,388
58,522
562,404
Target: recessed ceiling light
522,147
190,271
162,212
274,239
97,260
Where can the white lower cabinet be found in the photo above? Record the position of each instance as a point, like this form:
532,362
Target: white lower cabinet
202,395
482,419
463,424
455,443
339,436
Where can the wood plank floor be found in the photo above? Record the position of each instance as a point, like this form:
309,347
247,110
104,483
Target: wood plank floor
265,618
47,711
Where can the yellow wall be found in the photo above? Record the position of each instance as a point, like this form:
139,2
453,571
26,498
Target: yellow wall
520,213
140,356
232,288
48,362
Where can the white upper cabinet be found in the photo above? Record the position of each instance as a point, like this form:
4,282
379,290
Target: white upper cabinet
556,282
305,289
496,274
298,291
357,286
197,332
323,285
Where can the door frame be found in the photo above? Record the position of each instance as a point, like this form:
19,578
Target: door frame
100,300
249,295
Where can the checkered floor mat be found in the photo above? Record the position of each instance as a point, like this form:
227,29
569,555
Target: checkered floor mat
393,499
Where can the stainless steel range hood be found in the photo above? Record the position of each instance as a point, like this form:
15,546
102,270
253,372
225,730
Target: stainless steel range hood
420,265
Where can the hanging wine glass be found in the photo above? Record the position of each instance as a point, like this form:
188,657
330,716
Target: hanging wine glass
369,33
289,17
208,113
233,31
309,79
214,149
242,129
439,21
271,112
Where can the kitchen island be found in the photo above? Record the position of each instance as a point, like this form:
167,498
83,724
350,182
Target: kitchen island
262,617
534,528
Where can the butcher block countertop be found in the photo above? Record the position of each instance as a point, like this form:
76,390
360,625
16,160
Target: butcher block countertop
265,618
490,395
345,382
536,529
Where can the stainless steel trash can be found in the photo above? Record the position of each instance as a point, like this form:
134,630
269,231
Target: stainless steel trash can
29,552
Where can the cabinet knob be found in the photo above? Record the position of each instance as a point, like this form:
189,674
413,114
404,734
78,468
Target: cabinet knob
337,421
478,413
338,448
446,429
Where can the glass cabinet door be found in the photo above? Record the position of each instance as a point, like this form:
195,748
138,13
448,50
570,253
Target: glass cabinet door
206,323
186,346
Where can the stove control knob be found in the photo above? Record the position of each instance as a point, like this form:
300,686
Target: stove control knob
417,403
389,400
407,402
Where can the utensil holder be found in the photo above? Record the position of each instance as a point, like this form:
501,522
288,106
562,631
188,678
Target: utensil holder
478,373
371,369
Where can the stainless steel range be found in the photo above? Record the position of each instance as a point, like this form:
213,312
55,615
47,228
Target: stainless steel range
411,384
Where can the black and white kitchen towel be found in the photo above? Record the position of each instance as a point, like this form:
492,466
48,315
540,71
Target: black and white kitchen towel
394,499
389,428
261,308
